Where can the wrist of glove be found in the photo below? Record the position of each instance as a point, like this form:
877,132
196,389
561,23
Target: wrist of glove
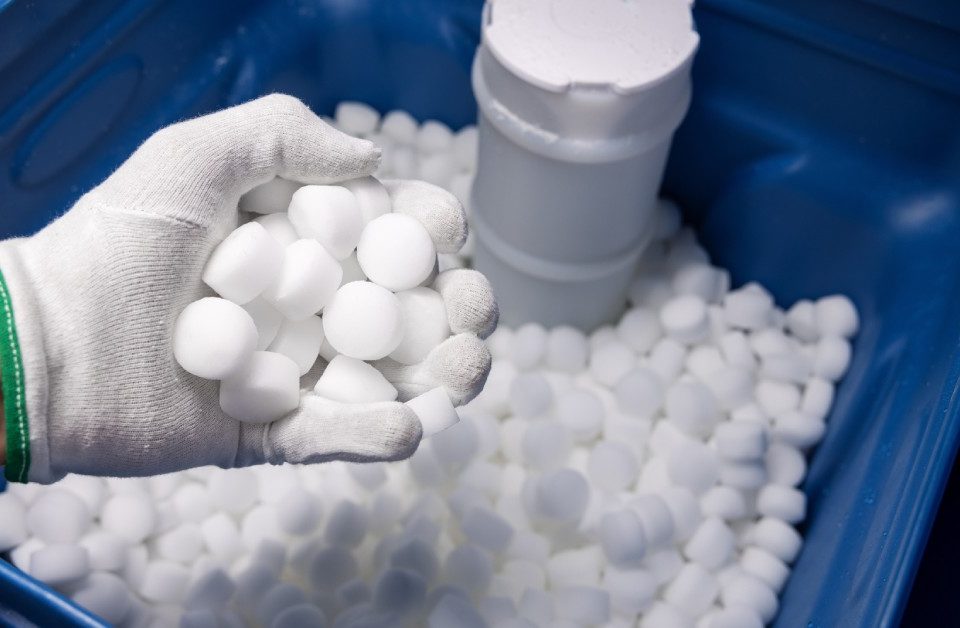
87,308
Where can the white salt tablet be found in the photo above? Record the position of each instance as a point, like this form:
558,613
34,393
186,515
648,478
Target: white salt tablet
349,380
347,524
684,510
213,338
694,465
817,398
396,252
622,538
182,544
530,395
433,137
244,264
581,412
233,490
192,502
684,318
777,397
836,316
400,127
13,532
221,536
329,214
777,537
453,610
747,475
692,408
364,321
698,279
693,589
434,410
300,341
60,563
640,329
750,307
741,440
561,496
724,502
356,118
331,567
785,464
468,567
582,606
279,227
529,345
831,358
733,617
105,595
799,430
612,466
213,589
371,195
749,591
107,551
425,326
265,389
164,581
278,599
782,502
271,197
639,392
131,516
610,362
267,320
465,147
200,618
567,349
667,359
655,518
711,545
299,615
399,591
308,279
545,445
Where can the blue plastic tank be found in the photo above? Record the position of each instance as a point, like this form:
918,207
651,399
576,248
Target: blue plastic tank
821,154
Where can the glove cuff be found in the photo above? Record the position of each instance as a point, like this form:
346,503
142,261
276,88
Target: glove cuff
24,372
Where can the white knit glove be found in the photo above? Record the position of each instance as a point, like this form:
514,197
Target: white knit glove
88,304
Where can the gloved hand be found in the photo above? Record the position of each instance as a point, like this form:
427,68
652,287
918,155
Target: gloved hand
88,305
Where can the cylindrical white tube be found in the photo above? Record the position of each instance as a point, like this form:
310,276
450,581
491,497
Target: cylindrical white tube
578,103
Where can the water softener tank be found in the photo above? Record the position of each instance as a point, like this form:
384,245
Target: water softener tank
578,104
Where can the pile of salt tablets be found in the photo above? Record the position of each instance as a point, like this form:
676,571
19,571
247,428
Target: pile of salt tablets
319,271
645,475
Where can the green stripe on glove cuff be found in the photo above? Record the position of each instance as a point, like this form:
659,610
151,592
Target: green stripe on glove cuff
14,391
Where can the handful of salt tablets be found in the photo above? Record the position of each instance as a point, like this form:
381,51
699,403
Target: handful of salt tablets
322,269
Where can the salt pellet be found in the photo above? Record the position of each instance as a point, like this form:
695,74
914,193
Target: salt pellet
192,502
746,590
396,252
583,606
434,137
836,316
211,590
164,581
732,387
667,359
612,467
782,502
468,567
545,445
298,513
278,599
372,197
279,227
182,544
785,464
308,279
244,264
364,321
777,397
424,322
741,440
131,516
399,126
328,214
567,349
581,412
631,590
213,338
691,407
263,390
639,329
639,393
529,346
104,594
736,350
456,446
766,567
684,511
233,491
684,318
698,279
711,545
486,529
664,615
221,536
299,615
724,502
778,538
356,118
832,358
575,567
601,336
331,567
817,398
560,496
60,563
266,319
655,518
530,395
748,475
750,307
798,430
350,380
271,197
693,465
694,589
300,341
454,610
622,538
610,362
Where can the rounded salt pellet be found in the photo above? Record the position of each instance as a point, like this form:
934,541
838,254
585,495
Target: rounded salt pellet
691,407
622,538
561,496
581,412
698,279
817,398
131,516
782,502
732,387
271,197
468,567
545,445
733,617
832,358
664,615
105,595
693,465
741,441
13,532
395,251
424,321
399,126
610,362
329,214
266,319
265,389
364,321
667,359
347,525
60,563
465,148
694,589
164,582
582,606
181,544
279,227
766,567
221,536
300,341
724,502
778,538
356,118
786,367
581,566
567,349
601,336
530,395
309,276
399,591
349,380
777,397
631,591
372,197
785,465
711,545
434,137
298,616
192,502
454,610
750,307
529,346
244,264
107,551
278,599
212,589
639,393
213,338
331,567
736,350
798,430
749,591
836,316
655,518
684,511
233,490
802,320
747,476
640,329
684,318
612,467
